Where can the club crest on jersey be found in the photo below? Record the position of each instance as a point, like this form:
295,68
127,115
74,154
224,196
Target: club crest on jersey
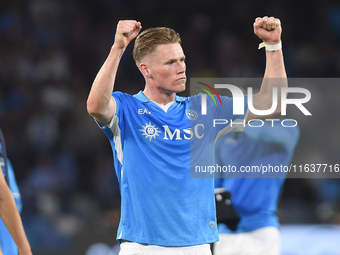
150,131
191,114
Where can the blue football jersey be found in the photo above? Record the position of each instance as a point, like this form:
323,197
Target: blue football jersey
154,151
255,198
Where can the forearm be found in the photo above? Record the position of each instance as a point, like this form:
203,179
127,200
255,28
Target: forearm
275,67
274,77
100,95
11,218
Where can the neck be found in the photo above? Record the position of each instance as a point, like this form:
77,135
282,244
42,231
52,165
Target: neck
158,96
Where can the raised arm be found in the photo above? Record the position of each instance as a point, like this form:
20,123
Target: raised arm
100,103
269,31
11,217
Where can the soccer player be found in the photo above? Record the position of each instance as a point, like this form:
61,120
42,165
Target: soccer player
8,246
255,198
10,216
163,210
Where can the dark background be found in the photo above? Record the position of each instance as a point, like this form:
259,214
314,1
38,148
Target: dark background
50,52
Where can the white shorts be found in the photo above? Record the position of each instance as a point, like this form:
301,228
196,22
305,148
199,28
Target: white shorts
130,248
258,242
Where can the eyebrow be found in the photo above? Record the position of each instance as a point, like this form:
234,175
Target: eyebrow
175,59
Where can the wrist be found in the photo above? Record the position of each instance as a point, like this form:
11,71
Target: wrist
25,251
24,248
270,47
117,50
118,47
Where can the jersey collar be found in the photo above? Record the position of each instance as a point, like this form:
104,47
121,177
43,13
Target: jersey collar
141,97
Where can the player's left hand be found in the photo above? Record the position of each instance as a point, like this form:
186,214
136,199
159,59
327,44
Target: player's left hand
268,29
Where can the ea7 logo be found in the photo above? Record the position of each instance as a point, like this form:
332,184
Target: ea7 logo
143,111
238,100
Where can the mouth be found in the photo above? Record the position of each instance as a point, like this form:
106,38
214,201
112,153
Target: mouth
182,79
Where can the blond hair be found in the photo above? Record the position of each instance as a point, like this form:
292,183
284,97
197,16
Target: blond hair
147,41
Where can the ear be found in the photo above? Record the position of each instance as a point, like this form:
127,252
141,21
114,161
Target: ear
143,67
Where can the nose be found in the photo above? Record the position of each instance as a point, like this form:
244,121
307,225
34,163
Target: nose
181,67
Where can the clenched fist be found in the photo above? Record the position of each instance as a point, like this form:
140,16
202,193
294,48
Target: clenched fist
126,31
268,29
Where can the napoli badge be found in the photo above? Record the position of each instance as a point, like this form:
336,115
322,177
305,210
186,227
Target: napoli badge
191,114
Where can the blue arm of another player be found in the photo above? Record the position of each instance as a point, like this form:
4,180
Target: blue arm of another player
275,133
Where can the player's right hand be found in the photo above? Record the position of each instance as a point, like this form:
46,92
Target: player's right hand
126,31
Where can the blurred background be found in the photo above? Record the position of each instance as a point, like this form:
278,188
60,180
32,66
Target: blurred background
50,52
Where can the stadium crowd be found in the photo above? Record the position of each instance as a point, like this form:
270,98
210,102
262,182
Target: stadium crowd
50,52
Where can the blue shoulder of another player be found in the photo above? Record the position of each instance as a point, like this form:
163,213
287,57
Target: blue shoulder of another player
275,133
